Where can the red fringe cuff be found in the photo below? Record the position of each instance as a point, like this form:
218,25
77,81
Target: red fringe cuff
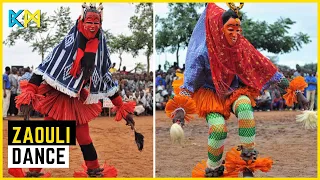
179,101
297,84
17,172
199,171
117,101
121,108
109,171
29,96
234,163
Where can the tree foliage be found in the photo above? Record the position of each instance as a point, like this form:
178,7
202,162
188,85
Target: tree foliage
119,44
174,31
274,38
141,25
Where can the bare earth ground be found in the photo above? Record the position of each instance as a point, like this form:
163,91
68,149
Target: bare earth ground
114,143
292,148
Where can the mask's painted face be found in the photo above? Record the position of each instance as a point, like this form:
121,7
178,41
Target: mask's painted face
91,24
231,30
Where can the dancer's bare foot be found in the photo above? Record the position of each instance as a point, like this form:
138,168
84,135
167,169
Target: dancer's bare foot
33,174
218,172
95,172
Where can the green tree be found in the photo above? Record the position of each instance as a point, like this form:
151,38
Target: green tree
310,67
275,37
141,25
119,45
43,39
174,31
166,65
139,67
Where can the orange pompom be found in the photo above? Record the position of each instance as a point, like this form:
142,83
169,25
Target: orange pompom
184,102
297,84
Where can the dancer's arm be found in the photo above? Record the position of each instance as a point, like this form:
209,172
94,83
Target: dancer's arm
124,109
29,96
292,91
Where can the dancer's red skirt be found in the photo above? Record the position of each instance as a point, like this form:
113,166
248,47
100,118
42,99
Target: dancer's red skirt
60,106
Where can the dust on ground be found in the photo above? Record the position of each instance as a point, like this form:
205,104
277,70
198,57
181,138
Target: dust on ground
292,148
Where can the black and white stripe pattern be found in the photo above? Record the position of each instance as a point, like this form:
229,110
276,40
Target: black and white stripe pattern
62,57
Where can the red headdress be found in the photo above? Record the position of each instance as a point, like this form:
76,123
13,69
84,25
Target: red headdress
242,59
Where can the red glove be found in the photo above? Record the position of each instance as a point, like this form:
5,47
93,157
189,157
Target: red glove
122,108
29,96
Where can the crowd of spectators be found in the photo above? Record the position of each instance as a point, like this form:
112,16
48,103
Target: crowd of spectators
132,86
269,100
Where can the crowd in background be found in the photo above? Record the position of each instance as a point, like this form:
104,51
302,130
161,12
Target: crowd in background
136,87
139,87
269,100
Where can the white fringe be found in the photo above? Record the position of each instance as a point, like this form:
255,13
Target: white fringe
91,99
309,119
176,133
55,84
94,98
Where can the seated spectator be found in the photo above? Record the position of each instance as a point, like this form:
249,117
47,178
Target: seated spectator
160,101
263,102
277,101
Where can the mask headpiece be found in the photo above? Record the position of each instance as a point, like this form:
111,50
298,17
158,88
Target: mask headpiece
235,8
91,8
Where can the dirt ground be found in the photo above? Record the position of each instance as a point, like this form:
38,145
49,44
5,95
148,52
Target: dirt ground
114,143
292,148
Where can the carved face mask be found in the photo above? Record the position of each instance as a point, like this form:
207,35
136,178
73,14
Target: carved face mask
91,24
231,30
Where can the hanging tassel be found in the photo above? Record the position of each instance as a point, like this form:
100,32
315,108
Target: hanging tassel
308,119
176,133
76,66
139,138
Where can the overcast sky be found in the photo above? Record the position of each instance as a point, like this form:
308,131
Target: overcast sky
305,15
116,17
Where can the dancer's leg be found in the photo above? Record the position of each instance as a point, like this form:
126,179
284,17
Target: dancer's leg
88,151
39,169
247,131
216,139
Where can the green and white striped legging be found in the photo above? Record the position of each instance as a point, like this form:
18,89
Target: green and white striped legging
218,131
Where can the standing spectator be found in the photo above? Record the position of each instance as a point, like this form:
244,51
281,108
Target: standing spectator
183,68
124,70
159,71
13,79
6,92
298,72
113,68
311,89
26,75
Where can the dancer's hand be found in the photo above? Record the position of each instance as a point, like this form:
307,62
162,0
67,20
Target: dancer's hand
130,121
302,101
179,117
